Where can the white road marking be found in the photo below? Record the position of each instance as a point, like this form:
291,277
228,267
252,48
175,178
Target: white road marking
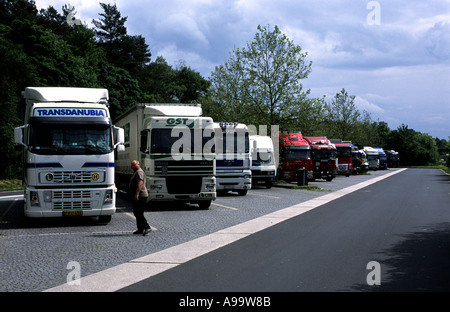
223,206
136,270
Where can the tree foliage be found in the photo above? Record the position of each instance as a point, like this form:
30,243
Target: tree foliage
261,84
42,49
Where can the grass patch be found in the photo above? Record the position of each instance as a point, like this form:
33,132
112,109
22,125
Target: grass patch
311,188
10,184
445,168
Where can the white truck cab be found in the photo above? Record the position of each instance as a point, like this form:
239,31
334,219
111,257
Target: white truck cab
262,166
68,154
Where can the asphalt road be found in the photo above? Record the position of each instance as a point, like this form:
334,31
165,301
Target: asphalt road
402,223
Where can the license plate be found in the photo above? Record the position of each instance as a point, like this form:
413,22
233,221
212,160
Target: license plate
72,213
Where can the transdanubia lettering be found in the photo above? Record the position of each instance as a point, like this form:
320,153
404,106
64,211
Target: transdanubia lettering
71,112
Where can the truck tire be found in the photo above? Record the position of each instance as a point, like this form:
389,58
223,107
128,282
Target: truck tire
242,192
204,204
104,219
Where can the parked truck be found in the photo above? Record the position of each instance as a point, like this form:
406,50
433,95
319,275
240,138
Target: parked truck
232,147
373,157
174,144
344,157
263,165
323,155
383,157
295,155
358,158
392,158
68,153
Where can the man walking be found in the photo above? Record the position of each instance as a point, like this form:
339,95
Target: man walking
139,194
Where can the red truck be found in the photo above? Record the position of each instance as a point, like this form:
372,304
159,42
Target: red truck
344,157
323,155
295,154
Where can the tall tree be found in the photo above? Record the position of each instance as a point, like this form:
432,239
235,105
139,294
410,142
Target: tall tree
342,115
128,52
260,84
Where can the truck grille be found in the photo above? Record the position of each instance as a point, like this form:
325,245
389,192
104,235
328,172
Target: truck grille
71,194
68,197
72,205
71,177
184,185
184,167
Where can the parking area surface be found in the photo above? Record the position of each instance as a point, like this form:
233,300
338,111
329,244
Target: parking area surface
35,256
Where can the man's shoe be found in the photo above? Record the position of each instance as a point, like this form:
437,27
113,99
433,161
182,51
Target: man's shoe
138,232
145,232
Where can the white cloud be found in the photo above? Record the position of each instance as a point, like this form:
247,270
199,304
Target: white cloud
365,105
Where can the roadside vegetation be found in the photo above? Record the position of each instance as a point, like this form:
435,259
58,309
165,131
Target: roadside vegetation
260,84
10,184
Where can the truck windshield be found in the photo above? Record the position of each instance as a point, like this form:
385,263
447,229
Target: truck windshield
236,142
344,152
162,141
70,139
324,154
262,158
297,154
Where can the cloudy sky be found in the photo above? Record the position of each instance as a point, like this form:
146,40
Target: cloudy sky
393,55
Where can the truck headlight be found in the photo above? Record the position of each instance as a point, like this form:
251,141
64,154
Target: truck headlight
156,187
48,196
34,199
108,197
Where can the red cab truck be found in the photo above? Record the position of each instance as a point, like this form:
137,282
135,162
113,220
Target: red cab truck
344,157
295,155
323,155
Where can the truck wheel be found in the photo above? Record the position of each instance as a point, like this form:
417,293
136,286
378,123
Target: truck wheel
242,192
204,204
268,184
104,219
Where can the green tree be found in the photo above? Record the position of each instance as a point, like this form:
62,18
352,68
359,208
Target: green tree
190,85
122,50
415,148
342,116
260,84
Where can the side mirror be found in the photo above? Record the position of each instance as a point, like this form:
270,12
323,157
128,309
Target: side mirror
18,136
120,140
144,141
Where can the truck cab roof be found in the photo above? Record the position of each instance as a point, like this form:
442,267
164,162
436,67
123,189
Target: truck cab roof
57,94
320,143
294,140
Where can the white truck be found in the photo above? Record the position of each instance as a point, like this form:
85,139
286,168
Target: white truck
232,157
373,157
68,154
175,147
262,165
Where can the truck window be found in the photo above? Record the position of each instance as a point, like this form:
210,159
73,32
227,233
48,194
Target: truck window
70,140
323,154
162,140
235,142
262,158
297,154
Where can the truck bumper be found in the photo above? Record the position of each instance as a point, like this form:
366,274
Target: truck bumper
234,181
180,188
45,203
